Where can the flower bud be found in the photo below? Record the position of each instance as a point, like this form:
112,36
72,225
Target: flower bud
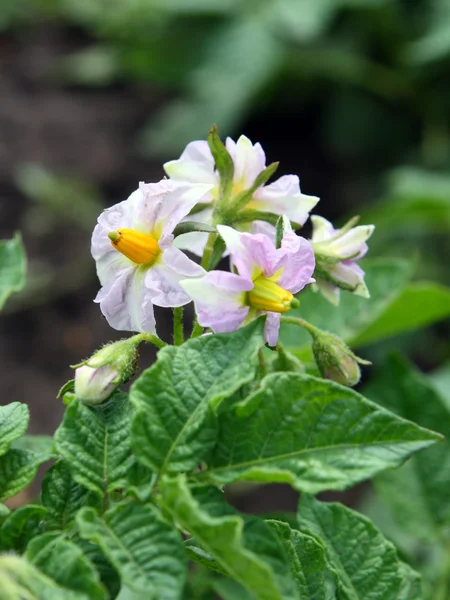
97,377
93,386
335,359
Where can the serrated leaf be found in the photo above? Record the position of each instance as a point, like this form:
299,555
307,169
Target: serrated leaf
311,433
175,424
14,420
418,494
12,268
19,526
354,315
307,561
63,497
365,563
18,468
245,549
20,580
144,548
65,564
95,442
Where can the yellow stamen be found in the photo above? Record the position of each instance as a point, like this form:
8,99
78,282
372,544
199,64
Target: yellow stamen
268,295
139,247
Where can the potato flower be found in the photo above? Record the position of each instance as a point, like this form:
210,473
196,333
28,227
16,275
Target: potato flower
282,197
137,263
337,251
265,281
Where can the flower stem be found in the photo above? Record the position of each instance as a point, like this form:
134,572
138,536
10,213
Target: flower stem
178,332
150,338
311,329
206,259
197,329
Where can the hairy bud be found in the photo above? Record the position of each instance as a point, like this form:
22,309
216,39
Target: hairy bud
97,377
335,359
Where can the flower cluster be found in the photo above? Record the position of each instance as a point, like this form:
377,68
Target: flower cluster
216,203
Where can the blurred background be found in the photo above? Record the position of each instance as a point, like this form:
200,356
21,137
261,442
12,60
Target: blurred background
351,95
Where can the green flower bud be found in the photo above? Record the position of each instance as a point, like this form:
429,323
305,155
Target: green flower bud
97,377
335,359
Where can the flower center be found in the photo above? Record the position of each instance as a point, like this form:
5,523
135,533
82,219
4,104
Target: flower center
139,247
268,295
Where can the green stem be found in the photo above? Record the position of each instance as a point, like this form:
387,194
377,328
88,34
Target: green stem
197,329
178,331
301,323
206,259
150,338
262,363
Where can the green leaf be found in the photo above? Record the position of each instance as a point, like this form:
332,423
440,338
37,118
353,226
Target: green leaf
18,468
246,549
307,561
354,315
65,564
41,444
63,497
365,564
20,525
20,580
144,548
418,305
175,424
109,576
411,588
14,419
12,268
311,433
418,494
95,442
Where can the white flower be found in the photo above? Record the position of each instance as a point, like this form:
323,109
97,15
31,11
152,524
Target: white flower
337,251
282,197
137,263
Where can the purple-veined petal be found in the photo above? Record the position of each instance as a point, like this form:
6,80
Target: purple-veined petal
162,279
196,164
248,159
272,328
219,299
125,303
115,217
252,255
283,197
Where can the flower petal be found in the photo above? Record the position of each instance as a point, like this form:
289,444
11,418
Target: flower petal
163,278
251,254
283,197
351,273
330,291
352,242
322,229
298,262
196,164
272,328
119,215
164,204
219,300
249,160
125,303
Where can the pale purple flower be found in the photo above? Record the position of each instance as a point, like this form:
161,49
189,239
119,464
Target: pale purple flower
137,263
265,282
196,164
337,251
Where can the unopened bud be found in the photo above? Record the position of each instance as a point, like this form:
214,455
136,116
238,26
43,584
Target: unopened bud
97,377
335,359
